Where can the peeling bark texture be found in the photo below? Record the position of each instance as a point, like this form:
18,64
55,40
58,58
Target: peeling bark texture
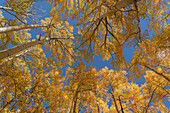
15,50
17,28
125,3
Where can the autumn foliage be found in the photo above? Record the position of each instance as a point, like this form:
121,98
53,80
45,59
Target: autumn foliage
46,64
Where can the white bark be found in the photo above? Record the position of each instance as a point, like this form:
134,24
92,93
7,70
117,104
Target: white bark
14,57
15,50
6,8
17,28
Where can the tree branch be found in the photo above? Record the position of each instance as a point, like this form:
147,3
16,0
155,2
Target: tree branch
111,32
114,100
125,3
92,33
121,104
150,100
30,91
157,72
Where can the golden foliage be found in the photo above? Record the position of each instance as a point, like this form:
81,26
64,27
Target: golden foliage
57,76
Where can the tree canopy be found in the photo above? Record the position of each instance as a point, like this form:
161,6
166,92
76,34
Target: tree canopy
45,65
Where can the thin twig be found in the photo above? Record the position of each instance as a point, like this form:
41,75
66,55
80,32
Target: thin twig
92,33
15,16
150,100
105,38
111,32
129,37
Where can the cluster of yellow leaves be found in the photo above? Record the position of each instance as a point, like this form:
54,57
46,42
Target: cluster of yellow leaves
123,24
14,38
83,88
33,82
61,37
92,90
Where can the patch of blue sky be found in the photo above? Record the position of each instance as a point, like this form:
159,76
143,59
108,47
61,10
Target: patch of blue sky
98,62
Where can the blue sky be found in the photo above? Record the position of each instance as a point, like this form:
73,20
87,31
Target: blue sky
46,7
98,62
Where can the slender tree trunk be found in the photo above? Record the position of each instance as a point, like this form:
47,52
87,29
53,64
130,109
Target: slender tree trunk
121,105
114,99
75,102
17,28
6,8
14,50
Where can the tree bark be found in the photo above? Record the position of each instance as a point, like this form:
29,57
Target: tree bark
14,50
6,8
17,28
125,3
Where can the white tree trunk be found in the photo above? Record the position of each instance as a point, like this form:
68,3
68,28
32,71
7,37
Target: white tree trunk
17,28
15,50
6,8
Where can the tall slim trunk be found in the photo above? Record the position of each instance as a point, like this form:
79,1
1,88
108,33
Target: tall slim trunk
75,102
17,28
15,50
6,8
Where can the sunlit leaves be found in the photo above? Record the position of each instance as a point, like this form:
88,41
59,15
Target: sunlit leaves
35,79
